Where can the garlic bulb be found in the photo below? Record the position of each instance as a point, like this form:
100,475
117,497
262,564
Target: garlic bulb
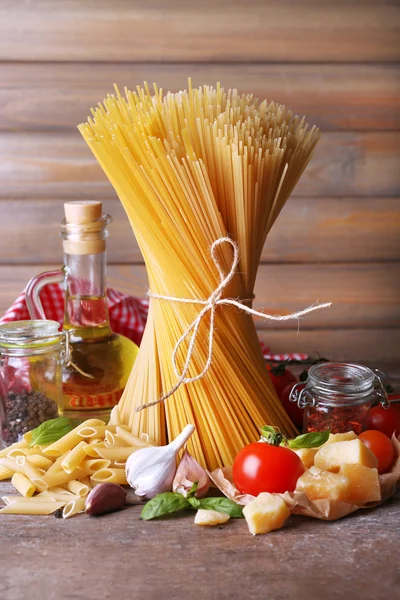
189,471
150,471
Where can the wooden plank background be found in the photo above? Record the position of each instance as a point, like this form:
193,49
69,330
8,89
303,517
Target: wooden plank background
337,61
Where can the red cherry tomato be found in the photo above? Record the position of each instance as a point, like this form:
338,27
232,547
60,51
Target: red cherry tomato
281,376
386,420
261,467
295,413
381,446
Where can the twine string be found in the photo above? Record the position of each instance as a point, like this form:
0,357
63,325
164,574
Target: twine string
209,306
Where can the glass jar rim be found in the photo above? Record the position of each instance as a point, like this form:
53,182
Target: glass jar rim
28,332
338,380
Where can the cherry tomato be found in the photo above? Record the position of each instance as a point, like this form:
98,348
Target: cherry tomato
295,413
261,467
394,399
281,376
381,446
386,420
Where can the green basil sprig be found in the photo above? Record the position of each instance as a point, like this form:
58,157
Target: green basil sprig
171,502
314,439
52,430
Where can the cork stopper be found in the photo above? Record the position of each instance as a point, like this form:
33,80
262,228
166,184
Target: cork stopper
83,211
84,228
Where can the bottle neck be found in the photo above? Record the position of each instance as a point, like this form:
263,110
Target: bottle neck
85,297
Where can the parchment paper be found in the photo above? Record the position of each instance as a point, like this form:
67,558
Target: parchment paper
299,504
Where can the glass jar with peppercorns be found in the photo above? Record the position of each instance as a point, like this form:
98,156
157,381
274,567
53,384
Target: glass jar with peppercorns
31,355
338,396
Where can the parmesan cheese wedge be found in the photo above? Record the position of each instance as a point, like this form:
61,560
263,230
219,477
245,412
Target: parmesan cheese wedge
330,457
307,456
341,437
210,517
364,484
320,485
266,513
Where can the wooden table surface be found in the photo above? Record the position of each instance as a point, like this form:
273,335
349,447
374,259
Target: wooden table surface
118,556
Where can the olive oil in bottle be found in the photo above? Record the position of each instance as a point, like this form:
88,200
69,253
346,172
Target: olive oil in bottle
100,361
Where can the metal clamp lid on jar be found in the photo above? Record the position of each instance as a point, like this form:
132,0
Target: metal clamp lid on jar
340,385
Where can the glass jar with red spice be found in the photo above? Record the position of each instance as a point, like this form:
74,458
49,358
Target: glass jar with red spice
338,396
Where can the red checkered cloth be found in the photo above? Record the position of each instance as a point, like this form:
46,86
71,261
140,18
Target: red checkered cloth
127,315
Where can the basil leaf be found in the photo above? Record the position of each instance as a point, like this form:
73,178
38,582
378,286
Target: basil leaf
223,505
195,502
164,504
309,440
52,430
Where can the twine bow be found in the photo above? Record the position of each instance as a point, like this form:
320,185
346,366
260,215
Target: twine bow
210,305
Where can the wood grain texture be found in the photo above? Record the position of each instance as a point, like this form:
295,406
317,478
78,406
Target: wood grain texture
308,230
53,164
228,30
333,96
363,295
171,554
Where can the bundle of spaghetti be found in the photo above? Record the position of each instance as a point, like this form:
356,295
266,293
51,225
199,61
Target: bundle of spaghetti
190,168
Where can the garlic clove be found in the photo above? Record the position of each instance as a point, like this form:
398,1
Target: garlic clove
189,471
151,471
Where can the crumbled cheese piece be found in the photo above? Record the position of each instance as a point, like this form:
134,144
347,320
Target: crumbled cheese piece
210,517
319,485
307,456
364,484
331,456
341,437
266,513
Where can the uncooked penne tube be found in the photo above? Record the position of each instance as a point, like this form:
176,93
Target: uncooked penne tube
59,496
56,466
86,481
131,439
116,453
115,417
22,444
74,507
24,507
88,467
96,431
77,487
70,440
74,457
21,465
23,485
91,449
110,475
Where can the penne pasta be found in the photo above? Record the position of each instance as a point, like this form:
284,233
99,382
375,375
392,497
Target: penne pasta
86,481
110,475
92,449
25,507
56,494
23,485
70,440
78,488
74,507
21,465
131,439
39,461
115,418
116,453
22,444
95,464
96,431
55,467
74,457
